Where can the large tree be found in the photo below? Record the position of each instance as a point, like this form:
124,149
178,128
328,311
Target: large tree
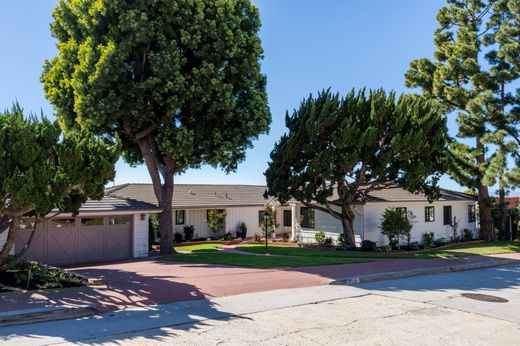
179,83
473,75
338,150
43,169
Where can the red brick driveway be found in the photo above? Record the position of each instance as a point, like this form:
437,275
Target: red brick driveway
149,282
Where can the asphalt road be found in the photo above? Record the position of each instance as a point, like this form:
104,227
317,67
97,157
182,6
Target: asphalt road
425,310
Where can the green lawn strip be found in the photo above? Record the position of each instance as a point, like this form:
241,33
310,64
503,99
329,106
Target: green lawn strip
260,261
205,247
458,251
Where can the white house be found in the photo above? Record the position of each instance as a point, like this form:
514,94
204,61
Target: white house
246,203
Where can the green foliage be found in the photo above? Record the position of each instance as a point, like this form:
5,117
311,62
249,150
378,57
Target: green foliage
473,75
271,222
395,225
320,237
188,231
43,169
179,82
467,234
338,149
427,239
178,237
257,237
286,236
242,230
216,220
153,230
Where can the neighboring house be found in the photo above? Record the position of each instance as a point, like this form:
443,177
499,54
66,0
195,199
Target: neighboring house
109,229
246,203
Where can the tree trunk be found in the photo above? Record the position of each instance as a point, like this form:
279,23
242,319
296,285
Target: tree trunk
348,231
486,218
9,243
166,218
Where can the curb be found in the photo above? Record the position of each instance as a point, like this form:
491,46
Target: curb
415,272
52,313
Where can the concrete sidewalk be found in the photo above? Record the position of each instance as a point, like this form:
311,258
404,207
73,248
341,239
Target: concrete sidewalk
152,282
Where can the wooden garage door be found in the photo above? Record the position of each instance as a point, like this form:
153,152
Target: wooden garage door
79,240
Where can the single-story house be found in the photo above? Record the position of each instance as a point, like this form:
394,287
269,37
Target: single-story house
109,229
246,203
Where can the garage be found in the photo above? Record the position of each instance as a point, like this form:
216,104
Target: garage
62,241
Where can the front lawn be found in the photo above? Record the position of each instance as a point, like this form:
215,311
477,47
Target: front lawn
456,251
204,247
260,261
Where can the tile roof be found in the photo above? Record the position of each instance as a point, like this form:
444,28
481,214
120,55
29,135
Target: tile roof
196,195
207,195
113,204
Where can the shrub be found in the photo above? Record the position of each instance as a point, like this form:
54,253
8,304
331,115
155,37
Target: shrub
341,241
368,245
42,276
228,236
178,237
286,236
216,220
153,230
414,246
439,242
467,234
242,230
320,237
328,242
395,225
258,237
427,239
271,222
188,232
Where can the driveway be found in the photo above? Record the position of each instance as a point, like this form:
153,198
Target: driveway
142,283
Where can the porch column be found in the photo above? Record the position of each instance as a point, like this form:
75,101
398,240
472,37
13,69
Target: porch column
293,220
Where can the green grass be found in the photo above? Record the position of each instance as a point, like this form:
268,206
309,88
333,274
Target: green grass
204,247
457,251
252,261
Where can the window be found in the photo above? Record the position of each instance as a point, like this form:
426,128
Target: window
287,218
471,213
63,223
261,217
179,217
307,215
118,220
402,209
447,214
92,221
429,214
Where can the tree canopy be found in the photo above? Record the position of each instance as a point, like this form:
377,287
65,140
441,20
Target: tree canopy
43,169
338,149
473,75
179,82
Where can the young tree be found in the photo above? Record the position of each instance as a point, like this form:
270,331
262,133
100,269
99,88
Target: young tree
395,225
179,82
473,72
338,150
217,220
42,169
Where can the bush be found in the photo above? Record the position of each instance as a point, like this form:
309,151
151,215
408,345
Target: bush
467,234
328,242
242,230
228,236
257,237
341,241
439,242
188,232
153,231
395,225
320,237
286,236
216,220
414,246
368,245
427,239
177,236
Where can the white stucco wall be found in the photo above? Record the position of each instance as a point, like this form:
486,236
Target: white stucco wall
373,212
140,235
3,239
197,218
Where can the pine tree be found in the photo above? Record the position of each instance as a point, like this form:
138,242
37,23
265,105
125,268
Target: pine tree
472,75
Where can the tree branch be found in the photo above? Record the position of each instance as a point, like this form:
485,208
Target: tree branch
146,132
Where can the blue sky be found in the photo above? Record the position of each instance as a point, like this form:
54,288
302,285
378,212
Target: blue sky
309,45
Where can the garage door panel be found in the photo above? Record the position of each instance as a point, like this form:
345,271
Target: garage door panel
36,251
90,244
61,246
118,242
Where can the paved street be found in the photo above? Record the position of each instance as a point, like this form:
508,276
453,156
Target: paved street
428,310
